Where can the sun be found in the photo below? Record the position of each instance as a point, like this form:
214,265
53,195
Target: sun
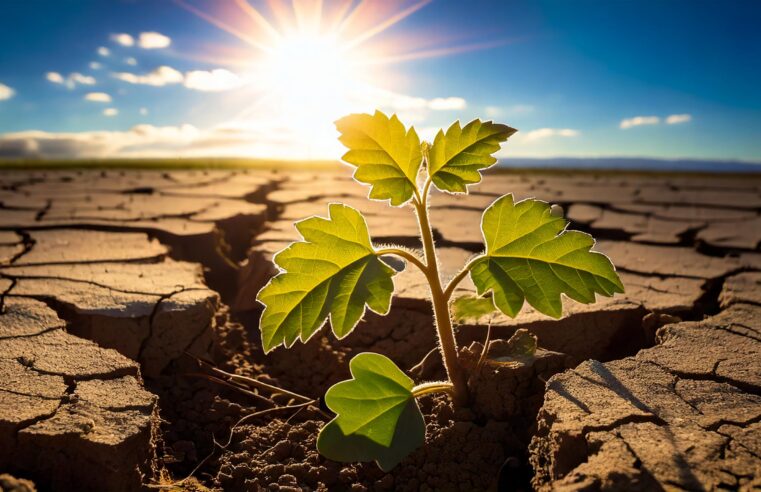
310,77
308,62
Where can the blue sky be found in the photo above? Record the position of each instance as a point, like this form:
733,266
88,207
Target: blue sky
672,79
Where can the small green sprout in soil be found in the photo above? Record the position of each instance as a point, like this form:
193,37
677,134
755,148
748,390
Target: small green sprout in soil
336,272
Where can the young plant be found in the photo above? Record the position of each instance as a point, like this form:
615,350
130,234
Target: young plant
335,272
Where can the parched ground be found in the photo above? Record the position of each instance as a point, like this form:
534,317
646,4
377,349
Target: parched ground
112,281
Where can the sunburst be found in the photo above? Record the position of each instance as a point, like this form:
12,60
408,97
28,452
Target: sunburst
309,62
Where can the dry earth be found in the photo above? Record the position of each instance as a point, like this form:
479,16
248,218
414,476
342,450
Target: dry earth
110,279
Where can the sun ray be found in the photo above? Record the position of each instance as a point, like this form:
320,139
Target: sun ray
224,26
434,53
258,18
353,13
339,15
282,15
371,33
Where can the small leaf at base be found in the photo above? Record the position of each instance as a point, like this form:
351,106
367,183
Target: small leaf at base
377,416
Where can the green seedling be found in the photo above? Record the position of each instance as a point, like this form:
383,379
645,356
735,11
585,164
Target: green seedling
335,273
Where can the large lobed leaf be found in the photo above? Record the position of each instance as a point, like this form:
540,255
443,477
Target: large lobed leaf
334,272
456,157
387,156
530,256
377,416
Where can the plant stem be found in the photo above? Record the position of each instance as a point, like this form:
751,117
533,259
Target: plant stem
434,387
442,319
459,277
402,254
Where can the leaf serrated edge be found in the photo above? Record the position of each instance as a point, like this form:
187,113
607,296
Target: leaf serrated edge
329,318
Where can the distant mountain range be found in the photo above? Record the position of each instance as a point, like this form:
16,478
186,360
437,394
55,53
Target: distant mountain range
633,163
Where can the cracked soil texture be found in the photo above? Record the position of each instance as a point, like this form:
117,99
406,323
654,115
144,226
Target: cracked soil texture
108,279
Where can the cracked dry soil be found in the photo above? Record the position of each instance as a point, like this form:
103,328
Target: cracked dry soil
111,282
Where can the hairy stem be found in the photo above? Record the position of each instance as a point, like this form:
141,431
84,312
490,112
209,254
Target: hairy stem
442,319
403,254
459,277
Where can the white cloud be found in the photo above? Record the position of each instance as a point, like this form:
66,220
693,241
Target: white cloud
675,119
95,65
123,39
639,121
447,103
414,107
103,51
140,141
159,77
212,81
541,133
131,61
54,77
100,97
153,40
110,112
72,80
6,92
143,111
494,111
78,78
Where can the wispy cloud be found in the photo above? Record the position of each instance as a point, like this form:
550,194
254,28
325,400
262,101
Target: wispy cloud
675,119
153,40
103,51
6,92
447,103
151,141
110,112
639,121
131,61
542,133
495,111
212,81
216,80
72,80
123,39
100,97
95,65
161,76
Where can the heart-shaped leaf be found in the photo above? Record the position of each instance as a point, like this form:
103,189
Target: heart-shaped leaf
333,273
377,416
387,156
530,256
456,157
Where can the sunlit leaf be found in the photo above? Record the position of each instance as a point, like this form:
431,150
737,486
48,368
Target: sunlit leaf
387,155
456,157
530,256
377,416
333,272
472,308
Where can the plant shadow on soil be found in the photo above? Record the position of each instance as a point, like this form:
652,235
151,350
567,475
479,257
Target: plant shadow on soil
479,448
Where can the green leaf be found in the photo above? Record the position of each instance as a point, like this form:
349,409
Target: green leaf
377,416
530,256
387,156
334,272
472,308
456,157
